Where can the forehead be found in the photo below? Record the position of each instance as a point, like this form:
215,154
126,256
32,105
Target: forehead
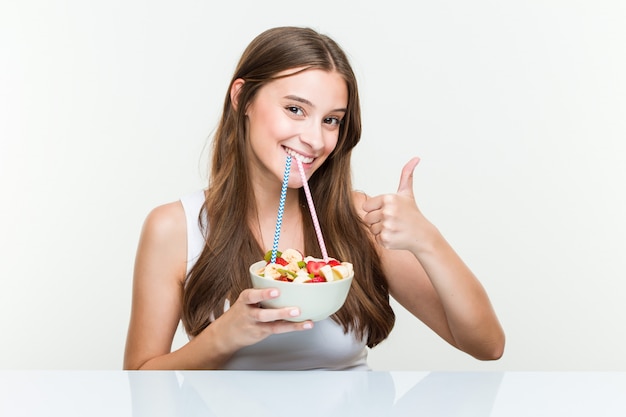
322,88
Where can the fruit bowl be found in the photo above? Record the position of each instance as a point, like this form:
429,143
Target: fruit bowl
316,301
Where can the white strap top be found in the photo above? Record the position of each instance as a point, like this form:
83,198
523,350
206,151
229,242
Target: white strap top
192,203
325,347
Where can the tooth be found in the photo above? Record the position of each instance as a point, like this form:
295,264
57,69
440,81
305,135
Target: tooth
306,160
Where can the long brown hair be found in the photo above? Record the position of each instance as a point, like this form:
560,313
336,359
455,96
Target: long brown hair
215,277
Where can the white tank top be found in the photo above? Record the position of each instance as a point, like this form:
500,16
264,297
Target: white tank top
325,347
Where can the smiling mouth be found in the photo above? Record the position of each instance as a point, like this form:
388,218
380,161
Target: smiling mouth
302,158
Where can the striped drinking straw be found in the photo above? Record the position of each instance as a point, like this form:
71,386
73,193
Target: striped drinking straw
309,199
281,209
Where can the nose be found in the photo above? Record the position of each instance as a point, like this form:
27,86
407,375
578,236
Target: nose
313,135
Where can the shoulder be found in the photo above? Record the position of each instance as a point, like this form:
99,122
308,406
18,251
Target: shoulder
163,240
166,221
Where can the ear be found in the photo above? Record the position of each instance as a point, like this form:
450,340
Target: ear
234,91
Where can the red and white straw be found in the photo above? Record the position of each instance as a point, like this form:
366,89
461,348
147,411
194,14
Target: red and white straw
316,223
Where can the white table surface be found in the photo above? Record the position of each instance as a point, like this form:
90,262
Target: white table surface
324,394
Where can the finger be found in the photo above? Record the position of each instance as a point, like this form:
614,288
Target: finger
375,229
371,218
255,296
287,326
406,178
372,203
266,315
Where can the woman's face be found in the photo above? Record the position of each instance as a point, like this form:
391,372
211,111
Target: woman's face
298,115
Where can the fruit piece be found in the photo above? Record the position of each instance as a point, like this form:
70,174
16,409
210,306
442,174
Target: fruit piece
268,255
340,271
271,271
292,255
333,262
315,279
313,267
301,276
281,261
287,273
327,272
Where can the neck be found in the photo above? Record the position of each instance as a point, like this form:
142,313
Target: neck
263,222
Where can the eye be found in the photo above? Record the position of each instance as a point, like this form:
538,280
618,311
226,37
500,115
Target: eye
333,121
295,110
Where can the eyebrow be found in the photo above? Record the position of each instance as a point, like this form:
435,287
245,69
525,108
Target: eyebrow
308,103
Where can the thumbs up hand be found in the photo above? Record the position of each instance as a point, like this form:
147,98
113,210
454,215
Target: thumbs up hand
406,178
394,219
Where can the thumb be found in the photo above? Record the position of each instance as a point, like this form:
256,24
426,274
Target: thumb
406,178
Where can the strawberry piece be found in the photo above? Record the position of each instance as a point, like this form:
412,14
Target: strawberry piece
282,278
281,261
316,279
313,267
333,262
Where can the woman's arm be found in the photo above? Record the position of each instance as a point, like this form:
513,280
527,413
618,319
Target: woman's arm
160,269
438,288
427,276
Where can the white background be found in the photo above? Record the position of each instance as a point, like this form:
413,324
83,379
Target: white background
517,109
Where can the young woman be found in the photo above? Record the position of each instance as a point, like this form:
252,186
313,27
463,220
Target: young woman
293,93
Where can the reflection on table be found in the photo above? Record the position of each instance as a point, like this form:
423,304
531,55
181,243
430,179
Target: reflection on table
278,394
301,394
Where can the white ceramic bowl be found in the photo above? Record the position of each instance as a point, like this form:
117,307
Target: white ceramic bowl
316,301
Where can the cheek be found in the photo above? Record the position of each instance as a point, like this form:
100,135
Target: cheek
330,143
269,125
